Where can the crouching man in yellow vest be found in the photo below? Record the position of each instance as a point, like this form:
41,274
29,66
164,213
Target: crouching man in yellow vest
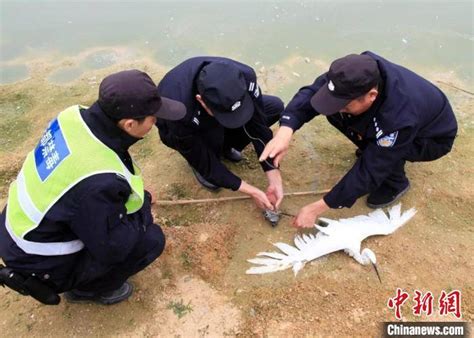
78,219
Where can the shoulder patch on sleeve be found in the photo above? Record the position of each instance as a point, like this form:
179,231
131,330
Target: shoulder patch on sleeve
388,140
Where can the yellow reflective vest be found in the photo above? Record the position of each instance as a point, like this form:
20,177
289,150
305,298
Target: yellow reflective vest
67,153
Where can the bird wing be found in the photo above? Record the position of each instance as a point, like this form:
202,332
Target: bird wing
346,233
307,248
375,223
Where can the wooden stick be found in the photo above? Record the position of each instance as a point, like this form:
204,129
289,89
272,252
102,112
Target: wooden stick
234,198
453,86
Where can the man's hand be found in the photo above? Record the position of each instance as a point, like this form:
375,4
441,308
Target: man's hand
259,197
307,215
275,188
278,146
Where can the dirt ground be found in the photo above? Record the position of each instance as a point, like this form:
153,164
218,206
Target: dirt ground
198,287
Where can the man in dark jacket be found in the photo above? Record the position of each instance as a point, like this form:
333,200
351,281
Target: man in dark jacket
225,111
88,218
390,113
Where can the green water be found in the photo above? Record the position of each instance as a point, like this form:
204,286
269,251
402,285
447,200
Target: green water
13,73
429,33
95,60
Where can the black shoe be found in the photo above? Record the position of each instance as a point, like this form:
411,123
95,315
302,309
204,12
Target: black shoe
105,298
358,153
385,195
205,183
232,155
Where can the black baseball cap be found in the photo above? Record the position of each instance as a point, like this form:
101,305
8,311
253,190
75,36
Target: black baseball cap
348,78
133,94
224,90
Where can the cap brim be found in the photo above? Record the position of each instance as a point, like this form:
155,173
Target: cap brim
327,104
237,118
171,110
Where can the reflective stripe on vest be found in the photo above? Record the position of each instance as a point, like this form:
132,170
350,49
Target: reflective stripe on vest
67,153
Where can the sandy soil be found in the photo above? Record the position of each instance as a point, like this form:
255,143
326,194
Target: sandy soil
199,286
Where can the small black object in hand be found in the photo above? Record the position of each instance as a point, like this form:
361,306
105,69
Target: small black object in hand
272,216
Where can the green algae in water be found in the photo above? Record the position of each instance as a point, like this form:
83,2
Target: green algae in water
101,59
65,75
98,60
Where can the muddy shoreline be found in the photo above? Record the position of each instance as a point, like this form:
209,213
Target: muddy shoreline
204,264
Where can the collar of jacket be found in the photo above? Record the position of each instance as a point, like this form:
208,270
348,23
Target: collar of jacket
106,129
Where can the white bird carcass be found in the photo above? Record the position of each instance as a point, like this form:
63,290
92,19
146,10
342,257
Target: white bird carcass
345,234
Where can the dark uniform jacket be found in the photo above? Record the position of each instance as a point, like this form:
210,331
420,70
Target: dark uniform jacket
93,211
408,110
199,137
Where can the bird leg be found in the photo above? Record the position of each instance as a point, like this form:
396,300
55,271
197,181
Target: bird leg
377,271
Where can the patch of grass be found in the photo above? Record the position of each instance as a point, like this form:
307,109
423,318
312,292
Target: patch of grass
178,221
186,259
230,333
14,126
183,216
6,177
449,289
179,308
177,191
167,273
29,326
204,331
143,152
249,162
14,132
14,105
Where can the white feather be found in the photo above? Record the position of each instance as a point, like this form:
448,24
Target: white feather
306,238
344,234
257,270
275,255
297,267
263,261
299,243
287,249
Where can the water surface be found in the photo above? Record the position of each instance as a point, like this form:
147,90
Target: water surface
428,33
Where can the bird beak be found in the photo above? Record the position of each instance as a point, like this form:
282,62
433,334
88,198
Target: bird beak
377,272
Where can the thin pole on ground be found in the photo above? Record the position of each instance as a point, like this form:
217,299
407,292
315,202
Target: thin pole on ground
455,87
234,198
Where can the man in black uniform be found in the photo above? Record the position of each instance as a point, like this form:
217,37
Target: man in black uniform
390,113
102,241
225,112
